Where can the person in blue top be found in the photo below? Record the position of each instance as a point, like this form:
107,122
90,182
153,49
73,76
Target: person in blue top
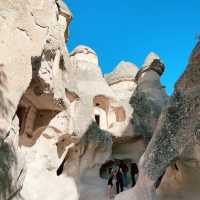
124,168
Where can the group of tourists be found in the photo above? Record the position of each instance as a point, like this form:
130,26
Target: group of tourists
118,178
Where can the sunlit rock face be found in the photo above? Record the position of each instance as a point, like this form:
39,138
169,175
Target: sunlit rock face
50,104
96,99
124,71
61,119
84,54
88,154
93,114
33,63
174,149
121,81
44,152
42,161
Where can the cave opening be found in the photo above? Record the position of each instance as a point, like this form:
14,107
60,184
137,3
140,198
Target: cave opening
126,165
97,119
159,180
21,114
59,171
176,167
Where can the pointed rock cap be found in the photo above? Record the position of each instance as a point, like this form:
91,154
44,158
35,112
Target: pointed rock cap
150,58
125,71
82,49
64,9
84,53
152,62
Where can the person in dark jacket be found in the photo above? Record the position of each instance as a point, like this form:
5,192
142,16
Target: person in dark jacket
119,183
112,176
134,172
124,168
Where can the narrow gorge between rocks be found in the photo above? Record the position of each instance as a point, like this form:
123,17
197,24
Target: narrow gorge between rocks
64,126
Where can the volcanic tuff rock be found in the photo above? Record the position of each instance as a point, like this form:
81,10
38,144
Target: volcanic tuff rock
174,148
51,135
33,45
149,97
61,120
46,108
95,96
143,98
121,81
125,71
87,154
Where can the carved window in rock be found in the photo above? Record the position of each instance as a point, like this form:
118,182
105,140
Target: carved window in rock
101,108
120,114
100,117
102,102
116,114
71,96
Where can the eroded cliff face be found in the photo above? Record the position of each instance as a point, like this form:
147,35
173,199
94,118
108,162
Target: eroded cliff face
173,150
33,61
49,102
61,119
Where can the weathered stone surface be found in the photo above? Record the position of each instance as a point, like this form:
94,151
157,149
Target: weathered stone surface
95,96
125,71
32,50
143,98
149,97
42,160
61,120
92,150
121,81
175,138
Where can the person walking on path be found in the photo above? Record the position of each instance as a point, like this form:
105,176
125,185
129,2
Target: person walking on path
124,168
119,183
134,172
111,179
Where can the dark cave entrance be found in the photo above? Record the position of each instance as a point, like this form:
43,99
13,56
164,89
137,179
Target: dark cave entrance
97,119
21,114
132,173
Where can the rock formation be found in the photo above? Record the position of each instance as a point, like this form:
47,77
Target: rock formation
84,159
149,97
121,81
62,122
33,61
49,105
173,150
143,97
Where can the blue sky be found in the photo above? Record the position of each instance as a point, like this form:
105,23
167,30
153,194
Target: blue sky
130,29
